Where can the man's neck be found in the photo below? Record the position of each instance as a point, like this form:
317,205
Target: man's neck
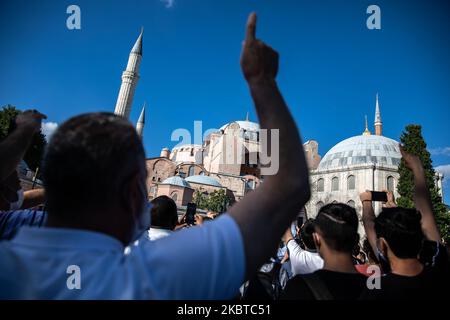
405,267
339,262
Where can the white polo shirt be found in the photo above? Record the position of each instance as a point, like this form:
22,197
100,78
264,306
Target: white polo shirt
303,261
158,233
205,262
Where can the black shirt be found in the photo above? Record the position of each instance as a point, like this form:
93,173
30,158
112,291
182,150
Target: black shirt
342,286
431,283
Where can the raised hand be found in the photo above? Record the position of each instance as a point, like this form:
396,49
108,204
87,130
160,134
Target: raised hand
412,161
259,62
30,119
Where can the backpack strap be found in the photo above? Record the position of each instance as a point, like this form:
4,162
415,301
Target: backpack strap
317,287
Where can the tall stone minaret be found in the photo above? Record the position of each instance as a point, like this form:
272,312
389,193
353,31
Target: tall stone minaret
130,78
378,123
141,122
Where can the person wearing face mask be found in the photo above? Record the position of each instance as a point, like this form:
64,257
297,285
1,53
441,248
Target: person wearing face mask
414,261
335,235
94,173
14,202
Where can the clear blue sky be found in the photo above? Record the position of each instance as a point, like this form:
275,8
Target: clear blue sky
331,64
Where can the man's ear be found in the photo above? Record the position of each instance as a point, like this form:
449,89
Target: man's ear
317,240
131,194
382,246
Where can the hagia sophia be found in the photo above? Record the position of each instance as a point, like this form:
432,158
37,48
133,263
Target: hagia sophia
364,162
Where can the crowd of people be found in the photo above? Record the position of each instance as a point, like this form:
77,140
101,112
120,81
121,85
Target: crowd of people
97,217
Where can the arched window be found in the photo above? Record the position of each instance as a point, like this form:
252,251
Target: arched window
390,183
351,203
320,185
319,206
191,171
351,183
174,196
335,184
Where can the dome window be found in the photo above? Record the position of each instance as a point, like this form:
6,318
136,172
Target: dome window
335,184
351,183
320,185
390,183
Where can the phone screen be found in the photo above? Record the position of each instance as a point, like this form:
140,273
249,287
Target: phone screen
190,213
379,196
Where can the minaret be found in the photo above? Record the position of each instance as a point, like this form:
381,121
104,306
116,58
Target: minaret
378,123
366,132
247,117
141,122
130,78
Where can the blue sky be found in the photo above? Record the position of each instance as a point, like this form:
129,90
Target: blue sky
331,64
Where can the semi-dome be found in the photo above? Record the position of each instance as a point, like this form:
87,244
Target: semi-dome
176,181
362,150
204,180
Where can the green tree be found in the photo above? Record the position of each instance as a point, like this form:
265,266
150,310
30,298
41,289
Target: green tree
33,156
216,201
414,143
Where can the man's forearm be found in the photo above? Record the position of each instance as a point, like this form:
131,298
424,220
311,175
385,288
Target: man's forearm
422,200
264,214
33,198
368,218
273,113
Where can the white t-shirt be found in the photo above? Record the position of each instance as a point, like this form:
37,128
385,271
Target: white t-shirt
303,261
205,262
156,233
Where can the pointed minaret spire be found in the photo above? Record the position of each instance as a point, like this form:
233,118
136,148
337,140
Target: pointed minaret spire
378,123
366,131
130,78
247,117
141,122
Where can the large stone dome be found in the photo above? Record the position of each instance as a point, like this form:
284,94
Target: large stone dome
362,150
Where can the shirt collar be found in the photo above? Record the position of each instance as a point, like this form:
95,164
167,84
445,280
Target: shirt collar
66,238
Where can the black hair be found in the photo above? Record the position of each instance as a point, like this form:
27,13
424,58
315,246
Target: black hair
338,225
306,234
164,213
87,162
402,230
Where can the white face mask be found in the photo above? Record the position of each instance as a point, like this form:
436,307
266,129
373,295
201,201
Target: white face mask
17,204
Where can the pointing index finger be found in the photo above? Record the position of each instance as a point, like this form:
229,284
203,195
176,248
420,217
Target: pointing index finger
251,27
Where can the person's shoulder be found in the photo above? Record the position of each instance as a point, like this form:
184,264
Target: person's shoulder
297,289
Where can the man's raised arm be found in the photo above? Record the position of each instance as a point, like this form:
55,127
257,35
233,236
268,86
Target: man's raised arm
264,214
422,198
14,146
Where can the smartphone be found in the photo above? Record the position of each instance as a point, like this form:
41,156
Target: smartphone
299,222
190,213
379,196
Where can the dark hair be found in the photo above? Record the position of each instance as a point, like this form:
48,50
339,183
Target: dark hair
401,228
306,234
164,213
87,161
338,225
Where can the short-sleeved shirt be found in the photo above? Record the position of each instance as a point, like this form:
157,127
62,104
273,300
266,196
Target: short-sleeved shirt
205,262
303,261
12,221
432,282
